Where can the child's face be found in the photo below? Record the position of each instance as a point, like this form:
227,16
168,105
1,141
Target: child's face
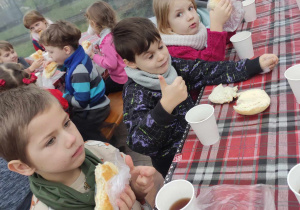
10,56
55,147
155,60
38,26
57,54
183,18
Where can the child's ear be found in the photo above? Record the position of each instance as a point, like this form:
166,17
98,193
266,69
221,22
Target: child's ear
20,167
130,64
67,49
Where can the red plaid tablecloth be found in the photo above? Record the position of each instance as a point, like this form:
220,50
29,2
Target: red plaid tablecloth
258,149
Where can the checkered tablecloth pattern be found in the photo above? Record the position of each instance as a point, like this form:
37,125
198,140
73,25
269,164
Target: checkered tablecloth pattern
259,149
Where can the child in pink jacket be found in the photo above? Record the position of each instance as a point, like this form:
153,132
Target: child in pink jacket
102,18
183,33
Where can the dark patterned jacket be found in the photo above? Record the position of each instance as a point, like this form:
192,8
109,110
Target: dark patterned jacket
154,132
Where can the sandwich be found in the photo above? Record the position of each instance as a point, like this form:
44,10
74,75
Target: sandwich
86,44
40,33
37,55
50,69
103,173
221,95
252,102
212,4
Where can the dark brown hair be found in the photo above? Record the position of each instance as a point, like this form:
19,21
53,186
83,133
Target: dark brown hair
102,14
60,34
6,46
18,106
133,36
32,17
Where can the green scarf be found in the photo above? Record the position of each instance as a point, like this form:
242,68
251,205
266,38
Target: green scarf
61,197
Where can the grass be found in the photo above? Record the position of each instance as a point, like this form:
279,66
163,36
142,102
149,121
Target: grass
59,13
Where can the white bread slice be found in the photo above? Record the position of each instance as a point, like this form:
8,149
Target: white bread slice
252,102
103,173
221,95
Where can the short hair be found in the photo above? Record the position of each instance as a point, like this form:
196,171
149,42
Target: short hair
18,106
32,17
61,33
133,36
5,46
102,14
13,75
161,11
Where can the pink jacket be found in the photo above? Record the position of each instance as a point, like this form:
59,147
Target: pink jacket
215,50
111,60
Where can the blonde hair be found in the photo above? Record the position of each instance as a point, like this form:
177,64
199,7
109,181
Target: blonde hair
32,17
161,11
102,14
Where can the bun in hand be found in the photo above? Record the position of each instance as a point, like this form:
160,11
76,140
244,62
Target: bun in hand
50,69
212,3
37,55
86,44
103,173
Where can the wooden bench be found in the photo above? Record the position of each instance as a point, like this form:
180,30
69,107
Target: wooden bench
115,117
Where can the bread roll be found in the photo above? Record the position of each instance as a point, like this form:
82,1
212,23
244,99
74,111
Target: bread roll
86,44
221,95
252,102
103,173
37,55
212,3
50,69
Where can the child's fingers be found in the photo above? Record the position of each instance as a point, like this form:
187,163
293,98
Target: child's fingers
128,197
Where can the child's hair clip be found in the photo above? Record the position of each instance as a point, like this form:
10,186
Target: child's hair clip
2,82
32,79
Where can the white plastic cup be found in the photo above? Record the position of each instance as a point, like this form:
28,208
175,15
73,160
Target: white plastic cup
39,81
298,2
242,43
250,10
174,191
203,122
292,75
294,181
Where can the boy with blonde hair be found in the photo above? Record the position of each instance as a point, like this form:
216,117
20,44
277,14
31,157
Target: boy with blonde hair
85,89
155,97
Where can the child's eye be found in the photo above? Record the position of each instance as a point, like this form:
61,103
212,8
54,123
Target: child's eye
179,14
50,142
67,124
161,47
191,8
151,56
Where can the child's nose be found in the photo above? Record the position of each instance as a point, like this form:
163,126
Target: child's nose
70,139
190,16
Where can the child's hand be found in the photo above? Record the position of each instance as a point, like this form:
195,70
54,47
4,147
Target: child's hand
36,64
142,178
268,62
127,199
91,54
219,15
173,94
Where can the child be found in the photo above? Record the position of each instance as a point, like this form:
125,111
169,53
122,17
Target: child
85,89
15,191
102,18
40,141
155,96
13,75
183,33
9,55
36,23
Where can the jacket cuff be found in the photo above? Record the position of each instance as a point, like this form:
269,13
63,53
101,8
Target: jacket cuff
253,67
161,116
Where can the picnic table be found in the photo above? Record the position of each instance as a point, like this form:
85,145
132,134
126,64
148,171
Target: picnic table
258,149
